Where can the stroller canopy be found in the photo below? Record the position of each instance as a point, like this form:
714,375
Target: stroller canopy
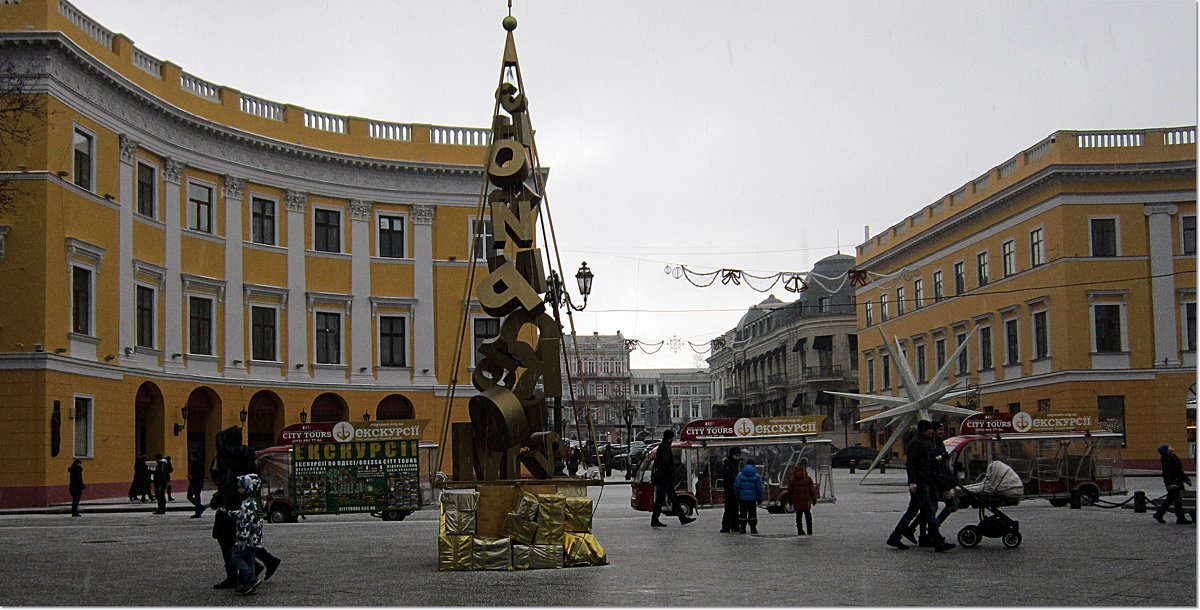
1001,480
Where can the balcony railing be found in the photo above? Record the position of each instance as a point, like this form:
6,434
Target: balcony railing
754,387
776,381
829,371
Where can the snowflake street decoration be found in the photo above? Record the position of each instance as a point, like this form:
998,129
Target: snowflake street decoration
921,399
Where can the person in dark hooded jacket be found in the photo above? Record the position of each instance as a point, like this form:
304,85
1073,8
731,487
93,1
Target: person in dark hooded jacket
730,467
1174,478
233,460
749,488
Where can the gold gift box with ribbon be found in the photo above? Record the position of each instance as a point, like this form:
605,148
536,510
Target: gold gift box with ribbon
460,499
456,522
584,549
518,528
579,514
552,515
537,557
527,506
491,554
454,553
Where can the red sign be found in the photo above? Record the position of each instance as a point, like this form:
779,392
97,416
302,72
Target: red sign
345,431
987,423
757,427
320,432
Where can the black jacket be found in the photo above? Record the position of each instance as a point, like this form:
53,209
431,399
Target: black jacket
920,462
76,487
664,465
729,471
1172,471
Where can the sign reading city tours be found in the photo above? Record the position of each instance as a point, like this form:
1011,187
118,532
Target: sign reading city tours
757,427
349,467
996,423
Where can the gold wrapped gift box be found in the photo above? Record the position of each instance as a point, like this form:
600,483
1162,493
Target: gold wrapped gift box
537,557
454,553
457,522
552,515
579,514
584,550
461,500
527,506
491,554
518,528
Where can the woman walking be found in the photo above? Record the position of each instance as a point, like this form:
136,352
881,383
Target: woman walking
802,491
76,486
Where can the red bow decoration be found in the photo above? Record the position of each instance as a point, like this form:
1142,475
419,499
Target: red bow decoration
731,275
857,278
630,344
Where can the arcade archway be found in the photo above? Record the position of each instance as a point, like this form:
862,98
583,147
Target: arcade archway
329,407
203,421
149,420
395,406
264,419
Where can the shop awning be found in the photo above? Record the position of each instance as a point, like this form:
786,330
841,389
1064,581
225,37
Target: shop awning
799,347
823,342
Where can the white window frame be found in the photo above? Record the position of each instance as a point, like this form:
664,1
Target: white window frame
868,313
156,199
212,209
939,286
1007,348
274,219
900,300
154,339
482,253
983,268
91,135
1037,249
870,374
341,212
91,297
885,369
476,357
883,306
987,360
1116,235
407,338
89,416
1188,299
379,216
955,272
212,324
918,293
1008,258
341,339
250,327
87,256
919,355
1039,306
1109,298
939,345
1183,240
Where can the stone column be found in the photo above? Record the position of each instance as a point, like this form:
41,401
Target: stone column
235,326
173,306
126,303
1162,284
297,319
360,284
423,324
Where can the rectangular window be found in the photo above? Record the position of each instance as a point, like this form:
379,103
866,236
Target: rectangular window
870,375
485,329
81,300
900,301
84,149
1189,316
1104,236
329,338
885,364
391,341
146,187
938,287
918,293
960,278
482,238
200,207
391,236
939,353
145,317
1188,224
922,375
1008,257
823,305
985,348
981,268
869,313
1041,336
962,356
1111,410
883,307
1037,248
327,230
200,324
262,221
1108,328
83,427
1012,345
262,333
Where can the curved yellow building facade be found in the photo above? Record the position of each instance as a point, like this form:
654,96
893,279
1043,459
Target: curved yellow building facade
179,244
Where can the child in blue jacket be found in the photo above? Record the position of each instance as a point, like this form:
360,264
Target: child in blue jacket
749,489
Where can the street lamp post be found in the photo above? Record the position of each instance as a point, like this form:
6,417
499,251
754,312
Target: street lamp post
556,297
630,411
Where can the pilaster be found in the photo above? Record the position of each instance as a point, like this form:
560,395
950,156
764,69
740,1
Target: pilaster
361,321
423,326
297,318
234,360
173,310
1162,284
127,316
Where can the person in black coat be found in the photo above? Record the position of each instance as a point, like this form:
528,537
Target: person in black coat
76,486
233,460
1174,478
195,485
921,464
140,486
730,467
162,479
663,478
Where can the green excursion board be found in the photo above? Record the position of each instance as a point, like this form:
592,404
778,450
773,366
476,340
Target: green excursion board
356,477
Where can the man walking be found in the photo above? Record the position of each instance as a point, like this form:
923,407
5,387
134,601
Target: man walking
920,466
195,485
730,467
663,478
76,485
1174,478
162,478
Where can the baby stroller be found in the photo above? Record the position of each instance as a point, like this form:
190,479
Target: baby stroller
1001,486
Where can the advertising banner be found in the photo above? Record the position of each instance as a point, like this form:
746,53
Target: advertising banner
994,423
356,476
757,427
343,432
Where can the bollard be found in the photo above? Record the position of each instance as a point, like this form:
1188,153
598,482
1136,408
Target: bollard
1139,501
883,467
1075,499
853,463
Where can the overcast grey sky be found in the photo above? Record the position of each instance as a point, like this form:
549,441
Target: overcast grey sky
753,135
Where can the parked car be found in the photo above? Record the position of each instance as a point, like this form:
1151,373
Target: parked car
864,455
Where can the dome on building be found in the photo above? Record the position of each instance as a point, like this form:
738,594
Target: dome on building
754,313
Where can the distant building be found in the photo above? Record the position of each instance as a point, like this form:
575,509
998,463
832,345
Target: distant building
782,356
1075,264
603,390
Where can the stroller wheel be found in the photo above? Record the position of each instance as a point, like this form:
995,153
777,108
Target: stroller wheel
1012,540
969,536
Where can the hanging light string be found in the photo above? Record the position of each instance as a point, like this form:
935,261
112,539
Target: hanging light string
792,281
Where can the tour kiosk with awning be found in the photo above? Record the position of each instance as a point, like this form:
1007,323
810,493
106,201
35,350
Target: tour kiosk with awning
378,467
1053,453
775,444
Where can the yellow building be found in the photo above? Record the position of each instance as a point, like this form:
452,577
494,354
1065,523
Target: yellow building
175,243
1075,264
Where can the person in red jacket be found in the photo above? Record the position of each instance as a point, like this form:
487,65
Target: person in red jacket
802,492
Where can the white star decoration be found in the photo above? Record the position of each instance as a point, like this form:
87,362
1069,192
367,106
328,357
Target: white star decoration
921,400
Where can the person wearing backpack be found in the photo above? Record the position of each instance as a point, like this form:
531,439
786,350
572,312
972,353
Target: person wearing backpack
749,488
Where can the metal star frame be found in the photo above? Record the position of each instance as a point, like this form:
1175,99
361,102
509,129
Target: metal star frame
921,400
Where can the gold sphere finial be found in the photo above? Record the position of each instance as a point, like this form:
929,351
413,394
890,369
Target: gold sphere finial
510,23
